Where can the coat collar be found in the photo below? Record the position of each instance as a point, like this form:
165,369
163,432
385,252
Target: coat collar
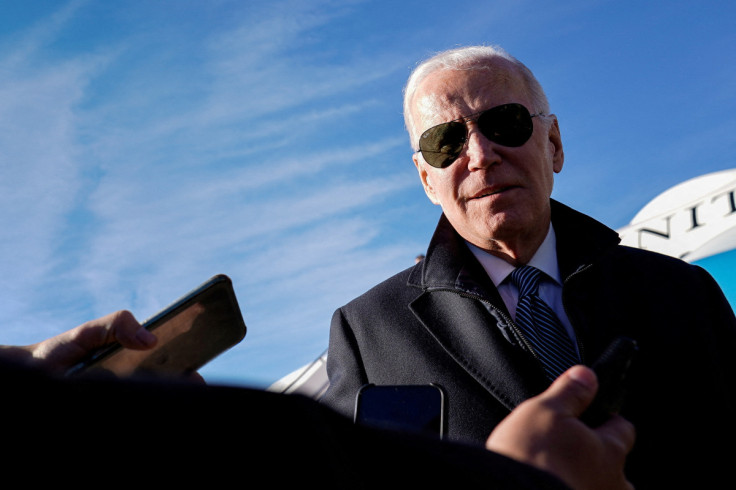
449,263
462,309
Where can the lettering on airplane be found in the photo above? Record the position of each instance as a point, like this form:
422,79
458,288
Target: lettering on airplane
683,220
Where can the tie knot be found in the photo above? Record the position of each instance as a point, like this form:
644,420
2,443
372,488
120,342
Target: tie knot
526,279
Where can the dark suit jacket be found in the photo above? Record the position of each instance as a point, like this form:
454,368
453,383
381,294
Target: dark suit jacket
443,321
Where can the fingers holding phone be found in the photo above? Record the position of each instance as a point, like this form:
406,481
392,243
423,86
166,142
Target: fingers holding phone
189,333
68,348
546,431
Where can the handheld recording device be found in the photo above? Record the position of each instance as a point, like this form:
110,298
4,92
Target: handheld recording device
612,369
413,408
191,332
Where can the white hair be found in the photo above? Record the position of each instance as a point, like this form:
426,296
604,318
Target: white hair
470,58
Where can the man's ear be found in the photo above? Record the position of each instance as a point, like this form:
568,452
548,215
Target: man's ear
555,142
425,178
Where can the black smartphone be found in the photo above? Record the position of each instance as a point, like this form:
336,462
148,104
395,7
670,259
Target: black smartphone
191,332
413,408
612,369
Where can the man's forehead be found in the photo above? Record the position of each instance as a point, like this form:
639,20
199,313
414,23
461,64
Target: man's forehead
434,108
451,94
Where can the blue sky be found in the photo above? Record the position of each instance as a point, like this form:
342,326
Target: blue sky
148,145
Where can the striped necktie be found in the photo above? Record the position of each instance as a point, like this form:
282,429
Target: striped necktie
538,322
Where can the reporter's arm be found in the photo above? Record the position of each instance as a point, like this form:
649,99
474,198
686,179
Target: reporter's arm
66,349
545,432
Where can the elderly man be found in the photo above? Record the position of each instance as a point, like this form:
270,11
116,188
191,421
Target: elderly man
486,150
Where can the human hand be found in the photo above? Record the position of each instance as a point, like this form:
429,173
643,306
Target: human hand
66,349
545,432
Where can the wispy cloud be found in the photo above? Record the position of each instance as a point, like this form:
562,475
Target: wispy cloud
140,189
41,175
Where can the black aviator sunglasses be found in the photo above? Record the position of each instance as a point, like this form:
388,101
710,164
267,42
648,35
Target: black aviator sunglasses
508,125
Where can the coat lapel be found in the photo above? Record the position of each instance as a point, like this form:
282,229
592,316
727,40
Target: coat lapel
468,331
462,310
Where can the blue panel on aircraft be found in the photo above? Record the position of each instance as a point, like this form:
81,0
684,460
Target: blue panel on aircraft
723,268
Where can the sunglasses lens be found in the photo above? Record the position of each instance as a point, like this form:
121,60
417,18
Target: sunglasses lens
508,125
442,144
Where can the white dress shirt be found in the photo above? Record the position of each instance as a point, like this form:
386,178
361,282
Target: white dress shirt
544,259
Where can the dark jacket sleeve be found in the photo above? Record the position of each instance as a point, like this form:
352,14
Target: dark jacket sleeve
344,367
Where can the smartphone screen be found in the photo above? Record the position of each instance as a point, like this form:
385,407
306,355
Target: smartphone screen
191,332
414,408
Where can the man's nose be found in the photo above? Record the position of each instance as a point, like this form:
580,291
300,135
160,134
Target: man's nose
481,151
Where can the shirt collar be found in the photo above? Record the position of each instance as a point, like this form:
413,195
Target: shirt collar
544,259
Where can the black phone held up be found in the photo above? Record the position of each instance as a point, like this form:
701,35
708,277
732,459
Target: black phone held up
413,408
612,370
191,332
